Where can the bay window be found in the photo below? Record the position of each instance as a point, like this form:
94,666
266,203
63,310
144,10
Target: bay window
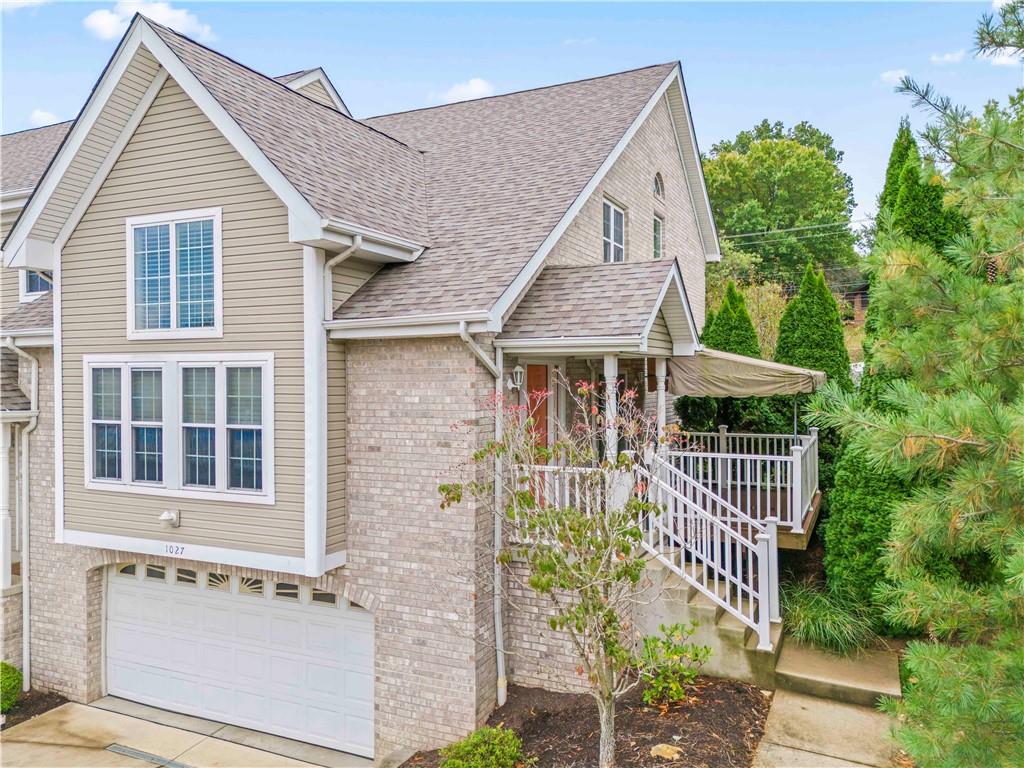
180,424
174,275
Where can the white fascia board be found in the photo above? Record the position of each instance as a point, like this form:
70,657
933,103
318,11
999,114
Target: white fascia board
673,279
336,235
712,251
313,76
573,345
168,547
33,337
8,417
14,199
409,326
536,262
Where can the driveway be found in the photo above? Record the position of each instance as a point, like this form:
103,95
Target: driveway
79,736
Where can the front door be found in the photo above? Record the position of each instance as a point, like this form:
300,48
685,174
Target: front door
537,381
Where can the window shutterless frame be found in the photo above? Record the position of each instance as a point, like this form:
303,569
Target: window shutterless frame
171,219
172,366
33,283
613,233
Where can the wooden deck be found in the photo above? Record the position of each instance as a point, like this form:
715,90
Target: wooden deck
790,540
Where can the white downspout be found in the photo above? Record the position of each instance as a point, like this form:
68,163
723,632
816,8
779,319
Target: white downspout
328,281
495,367
26,517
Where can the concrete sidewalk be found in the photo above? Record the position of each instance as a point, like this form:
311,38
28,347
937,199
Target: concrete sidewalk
79,736
807,732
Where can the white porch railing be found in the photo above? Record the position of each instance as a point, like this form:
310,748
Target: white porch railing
712,544
764,475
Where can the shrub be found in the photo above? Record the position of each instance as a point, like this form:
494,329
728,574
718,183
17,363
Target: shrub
826,619
484,748
672,663
10,686
860,518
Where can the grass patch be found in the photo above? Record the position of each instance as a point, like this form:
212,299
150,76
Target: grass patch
826,620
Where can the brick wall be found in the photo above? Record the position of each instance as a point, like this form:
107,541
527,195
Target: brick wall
434,651
10,625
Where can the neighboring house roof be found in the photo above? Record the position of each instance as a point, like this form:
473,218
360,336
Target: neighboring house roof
343,168
293,75
30,316
24,156
501,172
605,300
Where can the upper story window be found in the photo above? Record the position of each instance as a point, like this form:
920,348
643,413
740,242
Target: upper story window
659,236
659,186
174,275
33,283
614,233
188,425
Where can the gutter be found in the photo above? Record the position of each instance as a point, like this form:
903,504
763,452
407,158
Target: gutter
328,281
495,368
26,520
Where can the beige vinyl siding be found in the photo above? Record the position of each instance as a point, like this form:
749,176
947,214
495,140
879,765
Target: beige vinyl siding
317,92
347,277
629,183
116,113
8,277
177,160
659,340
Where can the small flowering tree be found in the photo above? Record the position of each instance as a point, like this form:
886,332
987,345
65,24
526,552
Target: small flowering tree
573,511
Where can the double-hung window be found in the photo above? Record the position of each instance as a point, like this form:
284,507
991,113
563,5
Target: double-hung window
659,236
181,424
174,275
614,233
33,283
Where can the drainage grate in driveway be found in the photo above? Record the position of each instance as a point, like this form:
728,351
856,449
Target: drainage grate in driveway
149,757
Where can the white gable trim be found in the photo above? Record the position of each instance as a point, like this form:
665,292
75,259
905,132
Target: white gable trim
26,252
674,279
315,75
526,275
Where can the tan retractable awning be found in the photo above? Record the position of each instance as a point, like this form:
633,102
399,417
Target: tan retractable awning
711,373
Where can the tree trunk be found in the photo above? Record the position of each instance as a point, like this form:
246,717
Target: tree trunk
606,756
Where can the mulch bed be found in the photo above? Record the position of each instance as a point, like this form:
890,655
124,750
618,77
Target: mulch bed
31,704
719,727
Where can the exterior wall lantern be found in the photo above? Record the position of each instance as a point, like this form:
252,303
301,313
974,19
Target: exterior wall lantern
515,380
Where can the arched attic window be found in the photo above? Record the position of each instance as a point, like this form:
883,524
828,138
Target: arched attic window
659,186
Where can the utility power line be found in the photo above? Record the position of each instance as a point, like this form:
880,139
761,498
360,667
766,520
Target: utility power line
797,229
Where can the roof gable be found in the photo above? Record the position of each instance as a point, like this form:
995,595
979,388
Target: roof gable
315,84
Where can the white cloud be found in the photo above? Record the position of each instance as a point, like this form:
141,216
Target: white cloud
108,24
10,6
997,4
893,76
575,41
41,117
1004,59
953,57
474,88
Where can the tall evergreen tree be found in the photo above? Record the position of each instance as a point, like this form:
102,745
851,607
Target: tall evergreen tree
919,211
733,330
811,331
954,430
902,145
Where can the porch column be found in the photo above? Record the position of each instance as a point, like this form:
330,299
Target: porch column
611,405
5,505
660,373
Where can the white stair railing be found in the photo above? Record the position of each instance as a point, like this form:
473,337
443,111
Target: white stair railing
732,560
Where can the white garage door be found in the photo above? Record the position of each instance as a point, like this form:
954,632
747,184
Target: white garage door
270,656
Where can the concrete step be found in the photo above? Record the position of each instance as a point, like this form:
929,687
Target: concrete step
862,679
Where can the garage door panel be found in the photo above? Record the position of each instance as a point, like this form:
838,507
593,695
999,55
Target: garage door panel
299,670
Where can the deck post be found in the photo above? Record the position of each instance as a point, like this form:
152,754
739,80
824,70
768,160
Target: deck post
796,489
724,481
611,407
6,577
774,610
764,638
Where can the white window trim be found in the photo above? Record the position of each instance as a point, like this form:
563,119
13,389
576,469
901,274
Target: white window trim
659,252
171,218
25,296
174,465
611,241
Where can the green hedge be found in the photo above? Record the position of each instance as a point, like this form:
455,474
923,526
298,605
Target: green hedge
10,686
484,748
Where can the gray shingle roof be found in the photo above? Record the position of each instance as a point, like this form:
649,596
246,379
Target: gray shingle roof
11,396
25,155
30,316
345,169
292,76
500,173
600,300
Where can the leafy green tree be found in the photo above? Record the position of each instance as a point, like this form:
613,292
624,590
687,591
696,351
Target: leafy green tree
768,186
902,146
811,331
954,429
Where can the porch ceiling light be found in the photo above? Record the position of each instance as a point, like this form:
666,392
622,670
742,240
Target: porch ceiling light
515,380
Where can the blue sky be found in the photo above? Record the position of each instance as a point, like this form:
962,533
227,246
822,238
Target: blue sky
832,64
